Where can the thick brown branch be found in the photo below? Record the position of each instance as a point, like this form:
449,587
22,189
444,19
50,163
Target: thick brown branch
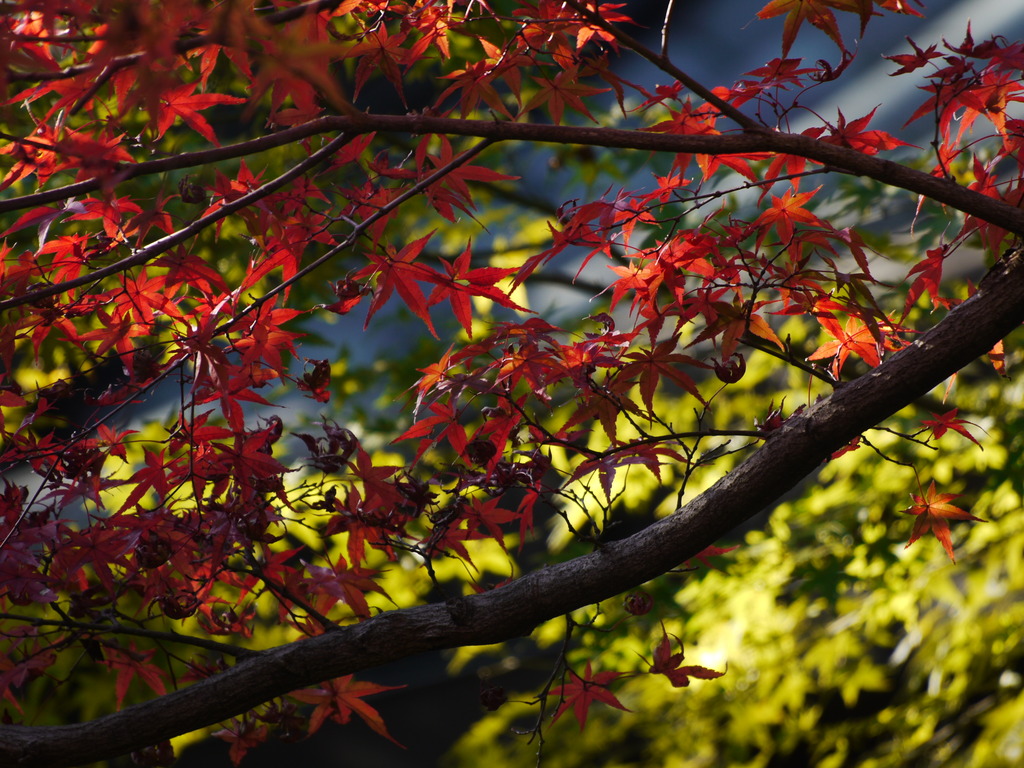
803,443
839,158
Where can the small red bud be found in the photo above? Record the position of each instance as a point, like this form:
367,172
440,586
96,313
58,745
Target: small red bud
730,371
638,603
479,452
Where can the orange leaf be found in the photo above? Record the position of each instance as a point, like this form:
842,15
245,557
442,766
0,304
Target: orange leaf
934,512
815,11
338,699
182,102
855,338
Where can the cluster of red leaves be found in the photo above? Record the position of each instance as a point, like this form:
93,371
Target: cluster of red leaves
198,523
972,88
336,700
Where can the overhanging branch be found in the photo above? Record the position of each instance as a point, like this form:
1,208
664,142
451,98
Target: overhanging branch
838,157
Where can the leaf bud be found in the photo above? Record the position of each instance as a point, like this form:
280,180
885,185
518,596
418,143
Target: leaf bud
638,603
155,756
731,370
191,192
491,696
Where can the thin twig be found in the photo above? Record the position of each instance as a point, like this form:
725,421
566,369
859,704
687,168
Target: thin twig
285,595
666,28
120,629
124,172
357,231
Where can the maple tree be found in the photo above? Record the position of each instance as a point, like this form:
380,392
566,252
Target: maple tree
209,498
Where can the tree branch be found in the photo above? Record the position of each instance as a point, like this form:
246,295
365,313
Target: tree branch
92,628
124,172
842,159
795,450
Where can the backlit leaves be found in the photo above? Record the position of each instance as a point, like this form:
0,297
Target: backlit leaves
949,421
853,338
183,103
933,512
820,14
164,354
341,698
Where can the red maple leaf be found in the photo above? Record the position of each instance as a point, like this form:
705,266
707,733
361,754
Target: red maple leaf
242,734
475,83
565,89
910,61
855,135
396,271
134,664
669,664
464,282
342,697
934,512
580,692
929,278
182,102
817,12
988,99
785,212
345,584
948,420
650,365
